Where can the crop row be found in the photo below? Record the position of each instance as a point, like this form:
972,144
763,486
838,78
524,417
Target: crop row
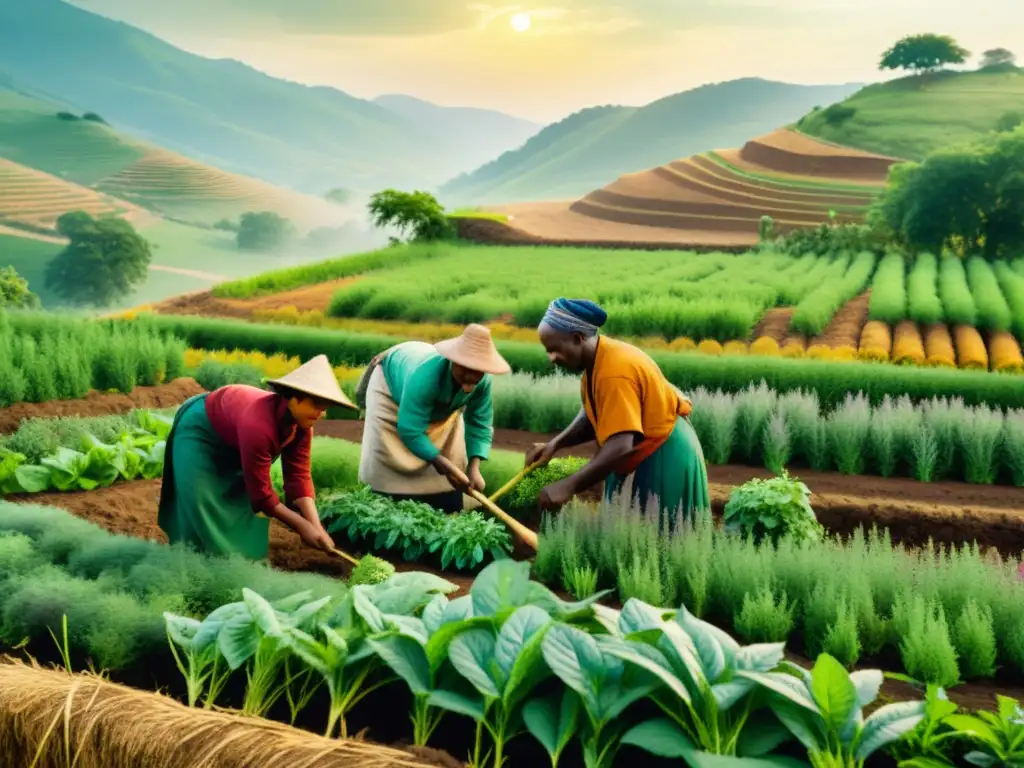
45,358
831,381
971,292
946,616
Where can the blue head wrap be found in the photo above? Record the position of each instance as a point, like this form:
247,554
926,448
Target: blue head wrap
574,316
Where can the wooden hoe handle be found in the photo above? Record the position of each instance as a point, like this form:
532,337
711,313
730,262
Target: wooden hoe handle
520,530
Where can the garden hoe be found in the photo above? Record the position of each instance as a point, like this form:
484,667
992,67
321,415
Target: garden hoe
514,481
520,530
368,570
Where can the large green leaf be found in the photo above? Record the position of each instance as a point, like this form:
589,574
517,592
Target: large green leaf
518,653
457,703
30,478
437,645
238,639
664,738
502,585
472,653
714,657
577,661
263,614
406,592
211,626
638,616
833,692
761,734
631,653
786,686
293,602
313,653
367,610
307,613
407,659
726,695
805,725
552,721
433,614
868,683
760,657
459,609
182,630
888,724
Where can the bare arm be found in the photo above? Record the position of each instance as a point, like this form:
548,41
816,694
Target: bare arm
578,432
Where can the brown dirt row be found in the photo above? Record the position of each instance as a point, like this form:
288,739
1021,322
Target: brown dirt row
767,178
845,327
734,157
101,403
703,173
774,324
204,303
786,151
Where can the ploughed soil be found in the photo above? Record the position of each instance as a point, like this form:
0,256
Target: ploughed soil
101,403
845,327
130,509
774,324
912,511
205,304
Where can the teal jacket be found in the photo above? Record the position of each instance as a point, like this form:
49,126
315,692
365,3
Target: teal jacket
421,384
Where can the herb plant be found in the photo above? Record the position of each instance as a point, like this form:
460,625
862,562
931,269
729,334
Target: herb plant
773,508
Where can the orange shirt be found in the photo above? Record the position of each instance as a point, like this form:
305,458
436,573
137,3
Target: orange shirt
631,394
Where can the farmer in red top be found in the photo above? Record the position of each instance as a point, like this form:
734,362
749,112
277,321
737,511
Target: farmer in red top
216,492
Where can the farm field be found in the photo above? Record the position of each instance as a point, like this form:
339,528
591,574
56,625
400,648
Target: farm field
929,311
872,592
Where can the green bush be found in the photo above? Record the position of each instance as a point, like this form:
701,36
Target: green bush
888,290
213,374
958,305
770,509
923,303
993,311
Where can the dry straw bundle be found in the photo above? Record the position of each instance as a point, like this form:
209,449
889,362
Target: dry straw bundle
50,719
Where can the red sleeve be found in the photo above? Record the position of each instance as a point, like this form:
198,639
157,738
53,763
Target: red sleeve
254,445
295,466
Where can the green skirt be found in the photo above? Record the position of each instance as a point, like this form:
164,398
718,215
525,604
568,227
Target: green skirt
675,475
203,501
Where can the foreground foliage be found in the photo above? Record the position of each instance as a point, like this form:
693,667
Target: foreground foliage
946,614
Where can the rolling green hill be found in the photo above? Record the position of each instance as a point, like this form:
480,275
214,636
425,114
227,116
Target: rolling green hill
591,148
221,112
914,116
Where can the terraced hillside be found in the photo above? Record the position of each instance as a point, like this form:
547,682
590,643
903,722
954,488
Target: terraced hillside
91,154
797,181
35,200
174,185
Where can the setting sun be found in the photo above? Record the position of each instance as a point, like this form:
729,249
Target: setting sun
520,22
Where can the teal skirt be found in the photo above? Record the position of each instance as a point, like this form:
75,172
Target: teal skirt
203,500
675,477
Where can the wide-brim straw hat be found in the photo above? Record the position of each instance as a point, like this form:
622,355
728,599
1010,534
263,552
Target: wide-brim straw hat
475,350
316,377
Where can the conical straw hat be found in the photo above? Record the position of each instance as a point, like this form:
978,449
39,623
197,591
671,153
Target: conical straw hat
316,377
475,350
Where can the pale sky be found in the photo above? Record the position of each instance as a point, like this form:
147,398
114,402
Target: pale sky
576,53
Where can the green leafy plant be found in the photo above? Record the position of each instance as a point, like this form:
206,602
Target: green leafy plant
823,709
930,743
524,495
998,736
771,509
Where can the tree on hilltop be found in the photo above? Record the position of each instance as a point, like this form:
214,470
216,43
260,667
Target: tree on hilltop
417,213
264,231
995,57
14,291
105,260
923,53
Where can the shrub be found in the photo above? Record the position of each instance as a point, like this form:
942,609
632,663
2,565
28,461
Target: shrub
975,641
1004,353
957,302
734,348
773,508
875,342
970,349
908,347
837,114
888,290
765,618
710,347
926,650
212,375
938,346
765,345
993,311
923,303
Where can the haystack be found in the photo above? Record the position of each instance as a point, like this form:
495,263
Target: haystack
86,721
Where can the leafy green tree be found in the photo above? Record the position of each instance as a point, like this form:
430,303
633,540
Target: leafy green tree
416,215
264,231
14,291
1009,121
995,57
923,53
968,199
105,260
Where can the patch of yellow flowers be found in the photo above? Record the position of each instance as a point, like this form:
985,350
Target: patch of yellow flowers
271,366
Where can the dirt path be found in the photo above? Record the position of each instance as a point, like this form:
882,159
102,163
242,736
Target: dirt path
845,327
101,403
24,233
950,513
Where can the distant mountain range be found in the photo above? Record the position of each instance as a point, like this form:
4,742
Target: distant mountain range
594,146
230,115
